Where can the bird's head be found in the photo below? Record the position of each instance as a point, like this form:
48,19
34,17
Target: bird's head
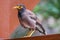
20,6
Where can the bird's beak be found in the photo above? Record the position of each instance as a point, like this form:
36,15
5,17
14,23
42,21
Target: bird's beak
16,7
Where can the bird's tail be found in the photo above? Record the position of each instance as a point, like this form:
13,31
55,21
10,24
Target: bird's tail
41,28
40,31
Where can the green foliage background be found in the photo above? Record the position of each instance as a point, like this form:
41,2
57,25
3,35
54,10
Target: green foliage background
48,8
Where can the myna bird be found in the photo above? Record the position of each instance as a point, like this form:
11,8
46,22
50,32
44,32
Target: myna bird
28,20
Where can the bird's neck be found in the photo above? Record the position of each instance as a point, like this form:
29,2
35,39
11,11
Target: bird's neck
20,12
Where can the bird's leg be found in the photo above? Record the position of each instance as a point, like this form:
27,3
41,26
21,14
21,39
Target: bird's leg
30,32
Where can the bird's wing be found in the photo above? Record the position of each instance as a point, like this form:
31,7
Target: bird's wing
32,15
29,19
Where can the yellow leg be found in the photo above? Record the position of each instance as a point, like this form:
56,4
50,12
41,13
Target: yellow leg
30,32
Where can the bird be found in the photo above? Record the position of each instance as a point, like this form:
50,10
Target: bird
28,20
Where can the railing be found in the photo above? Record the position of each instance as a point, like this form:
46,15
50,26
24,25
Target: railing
46,37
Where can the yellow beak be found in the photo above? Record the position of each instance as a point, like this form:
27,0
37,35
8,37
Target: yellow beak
16,7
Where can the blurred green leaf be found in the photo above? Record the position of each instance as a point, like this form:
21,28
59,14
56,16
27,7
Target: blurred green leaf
48,8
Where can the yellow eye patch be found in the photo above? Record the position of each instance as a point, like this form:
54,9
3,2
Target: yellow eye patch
21,7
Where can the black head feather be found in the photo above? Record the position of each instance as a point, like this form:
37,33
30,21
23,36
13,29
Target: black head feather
21,5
